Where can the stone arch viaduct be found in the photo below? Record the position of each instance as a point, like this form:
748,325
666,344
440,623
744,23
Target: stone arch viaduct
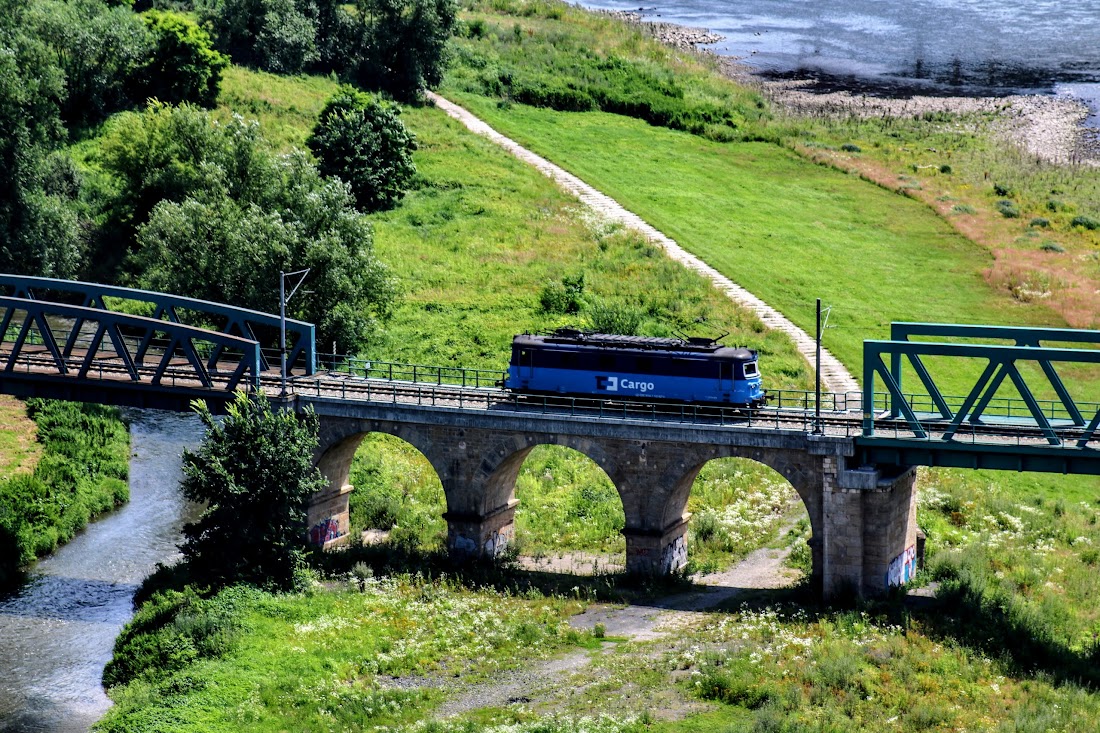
863,521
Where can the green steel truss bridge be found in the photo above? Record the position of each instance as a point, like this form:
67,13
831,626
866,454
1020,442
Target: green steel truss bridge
1020,409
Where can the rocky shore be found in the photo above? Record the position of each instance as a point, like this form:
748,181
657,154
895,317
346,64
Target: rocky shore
1048,128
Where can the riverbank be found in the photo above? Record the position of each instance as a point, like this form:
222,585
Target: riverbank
1048,128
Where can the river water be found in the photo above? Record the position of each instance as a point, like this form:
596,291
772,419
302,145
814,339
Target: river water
903,47
56,633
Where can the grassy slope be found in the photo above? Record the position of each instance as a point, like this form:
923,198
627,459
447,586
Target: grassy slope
18,449
787,230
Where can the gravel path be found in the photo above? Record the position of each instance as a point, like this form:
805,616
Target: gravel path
671,615
835,377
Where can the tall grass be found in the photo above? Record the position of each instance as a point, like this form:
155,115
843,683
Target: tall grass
81,473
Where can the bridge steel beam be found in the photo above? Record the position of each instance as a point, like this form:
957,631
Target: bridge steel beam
863,522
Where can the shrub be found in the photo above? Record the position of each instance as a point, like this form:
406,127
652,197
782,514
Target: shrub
1040,222
1085,221
1008,209
363,142
945,168
851,148
254,473
1003,190
1052,247
81,473
963,209
183,66
621,318
566,297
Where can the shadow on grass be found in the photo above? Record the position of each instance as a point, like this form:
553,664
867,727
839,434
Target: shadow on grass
1003,626
675,591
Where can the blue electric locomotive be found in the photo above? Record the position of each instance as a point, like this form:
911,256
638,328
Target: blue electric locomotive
570,362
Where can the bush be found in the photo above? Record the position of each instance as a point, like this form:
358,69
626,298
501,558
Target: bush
1003,190
363,142
945,168
81,473
1085,221
566,297
1052,247
1040,222
183,66
254,473
850,148
621,318
963,209
1008,209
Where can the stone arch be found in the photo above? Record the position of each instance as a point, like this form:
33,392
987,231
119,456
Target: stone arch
329,515
500,477
661,544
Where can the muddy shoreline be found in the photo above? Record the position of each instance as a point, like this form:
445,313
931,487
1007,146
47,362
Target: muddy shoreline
1048,128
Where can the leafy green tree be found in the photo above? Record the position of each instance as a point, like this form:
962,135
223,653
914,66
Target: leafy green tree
100,49
215,212
39,232
274,35
183,66
363,142
404,44
254,471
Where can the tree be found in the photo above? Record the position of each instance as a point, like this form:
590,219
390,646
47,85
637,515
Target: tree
274,35
363,142
254,471
183,66
100,49
405,44
39,232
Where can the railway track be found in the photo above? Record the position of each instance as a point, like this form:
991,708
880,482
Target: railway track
836,423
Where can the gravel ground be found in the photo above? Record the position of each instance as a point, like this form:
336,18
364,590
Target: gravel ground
543,682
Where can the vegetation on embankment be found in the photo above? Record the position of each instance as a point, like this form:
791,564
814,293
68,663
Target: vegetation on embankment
80,472
1038,223
477,244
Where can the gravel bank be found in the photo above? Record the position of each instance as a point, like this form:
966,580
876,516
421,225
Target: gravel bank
1048,128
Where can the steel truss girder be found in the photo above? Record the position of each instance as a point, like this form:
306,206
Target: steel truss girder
230,320
1001,364
120,331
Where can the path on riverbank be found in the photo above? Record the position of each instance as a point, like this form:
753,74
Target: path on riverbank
835,377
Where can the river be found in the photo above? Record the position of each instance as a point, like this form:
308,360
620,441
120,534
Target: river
904,47
57,631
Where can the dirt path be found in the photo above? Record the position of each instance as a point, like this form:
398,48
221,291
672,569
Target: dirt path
542,681
834,375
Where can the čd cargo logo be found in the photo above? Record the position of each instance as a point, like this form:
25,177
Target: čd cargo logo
612,384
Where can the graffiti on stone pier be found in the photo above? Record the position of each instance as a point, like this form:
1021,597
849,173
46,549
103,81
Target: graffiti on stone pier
325,531
903,567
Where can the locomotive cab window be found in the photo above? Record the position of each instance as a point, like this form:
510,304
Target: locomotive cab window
750,369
